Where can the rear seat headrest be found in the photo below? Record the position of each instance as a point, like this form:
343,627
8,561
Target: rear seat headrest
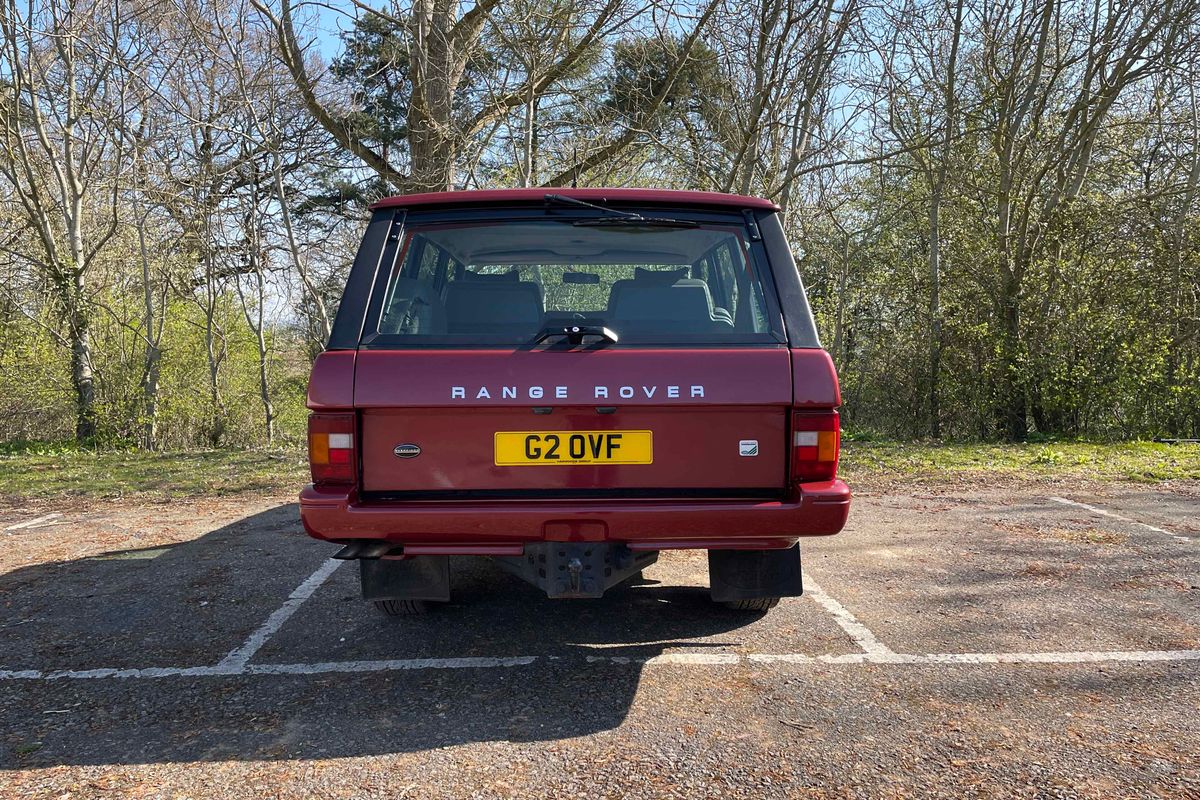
512,276
501,306
659,277
681,302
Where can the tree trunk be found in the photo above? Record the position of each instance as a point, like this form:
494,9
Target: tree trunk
529,144
298,260
82,377
264,361
839,319
950,101
935,311
1012,401
214,350
432,142
1180,241
264,392
153,358
433,159
257,320
151,354
216,428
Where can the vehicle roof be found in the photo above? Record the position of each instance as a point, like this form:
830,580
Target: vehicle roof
673,197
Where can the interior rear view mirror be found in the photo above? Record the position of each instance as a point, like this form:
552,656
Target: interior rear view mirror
580,277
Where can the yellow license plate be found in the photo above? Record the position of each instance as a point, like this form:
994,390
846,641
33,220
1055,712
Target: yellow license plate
521,448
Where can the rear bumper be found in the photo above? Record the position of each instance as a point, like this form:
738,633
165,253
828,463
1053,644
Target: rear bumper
497,527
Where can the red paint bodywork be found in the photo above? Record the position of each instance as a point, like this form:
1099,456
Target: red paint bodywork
458,449
331,384
501,197
697,493
817,509
403,395
422,378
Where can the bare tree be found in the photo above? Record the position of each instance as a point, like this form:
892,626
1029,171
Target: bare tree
217,153
920,84
441,42
253,252
1051,74
62,159
779,59
1168,164
283,137
155,289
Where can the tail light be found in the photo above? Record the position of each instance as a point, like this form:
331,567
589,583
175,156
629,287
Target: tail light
816,444
331,452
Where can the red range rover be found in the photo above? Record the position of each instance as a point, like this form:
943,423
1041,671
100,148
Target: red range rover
569,383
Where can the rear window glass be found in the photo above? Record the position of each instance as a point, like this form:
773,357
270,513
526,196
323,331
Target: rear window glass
511,282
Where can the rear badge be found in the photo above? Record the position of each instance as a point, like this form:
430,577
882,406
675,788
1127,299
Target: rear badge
747,447
407,450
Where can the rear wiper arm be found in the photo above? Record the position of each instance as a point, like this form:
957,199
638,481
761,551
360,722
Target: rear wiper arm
630,218
640,222
576,333
572,201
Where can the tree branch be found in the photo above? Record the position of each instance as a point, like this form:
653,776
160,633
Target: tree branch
615,146
292,56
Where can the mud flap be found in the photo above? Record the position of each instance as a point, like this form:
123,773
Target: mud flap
416,578
754,574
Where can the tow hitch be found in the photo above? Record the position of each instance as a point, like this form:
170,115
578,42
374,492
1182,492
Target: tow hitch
576,569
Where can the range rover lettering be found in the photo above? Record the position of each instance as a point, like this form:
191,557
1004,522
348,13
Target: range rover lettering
570,383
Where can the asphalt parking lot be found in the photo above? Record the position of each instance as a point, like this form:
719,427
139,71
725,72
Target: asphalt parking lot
1034,640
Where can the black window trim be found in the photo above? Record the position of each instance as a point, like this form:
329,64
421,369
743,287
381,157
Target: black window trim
371,338
376,256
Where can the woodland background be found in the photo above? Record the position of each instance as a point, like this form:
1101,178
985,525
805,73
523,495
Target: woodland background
994,203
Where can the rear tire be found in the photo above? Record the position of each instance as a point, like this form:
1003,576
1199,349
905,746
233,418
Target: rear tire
401,608
759,605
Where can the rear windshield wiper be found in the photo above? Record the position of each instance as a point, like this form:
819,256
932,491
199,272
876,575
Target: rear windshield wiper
619,217
640,222
562,199
576,333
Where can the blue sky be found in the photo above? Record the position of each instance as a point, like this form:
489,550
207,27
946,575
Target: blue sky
328,20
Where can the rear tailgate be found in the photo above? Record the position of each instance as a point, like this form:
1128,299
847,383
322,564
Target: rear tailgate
706,420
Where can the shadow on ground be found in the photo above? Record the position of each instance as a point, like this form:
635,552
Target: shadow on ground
189,604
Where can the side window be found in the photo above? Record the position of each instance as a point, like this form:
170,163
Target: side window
426,260
414,304
728,279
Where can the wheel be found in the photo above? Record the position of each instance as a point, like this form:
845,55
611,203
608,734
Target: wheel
401,608
760,604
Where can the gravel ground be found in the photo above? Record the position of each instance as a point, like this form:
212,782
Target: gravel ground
972,569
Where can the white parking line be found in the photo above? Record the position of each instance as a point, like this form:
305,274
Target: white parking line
709,659
874,652
239,656
1079,657
861,634
390,665
1062,657
44,520
1106,513
666,659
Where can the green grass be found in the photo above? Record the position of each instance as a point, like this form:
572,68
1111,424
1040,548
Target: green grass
1125,461
44,472
55,471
